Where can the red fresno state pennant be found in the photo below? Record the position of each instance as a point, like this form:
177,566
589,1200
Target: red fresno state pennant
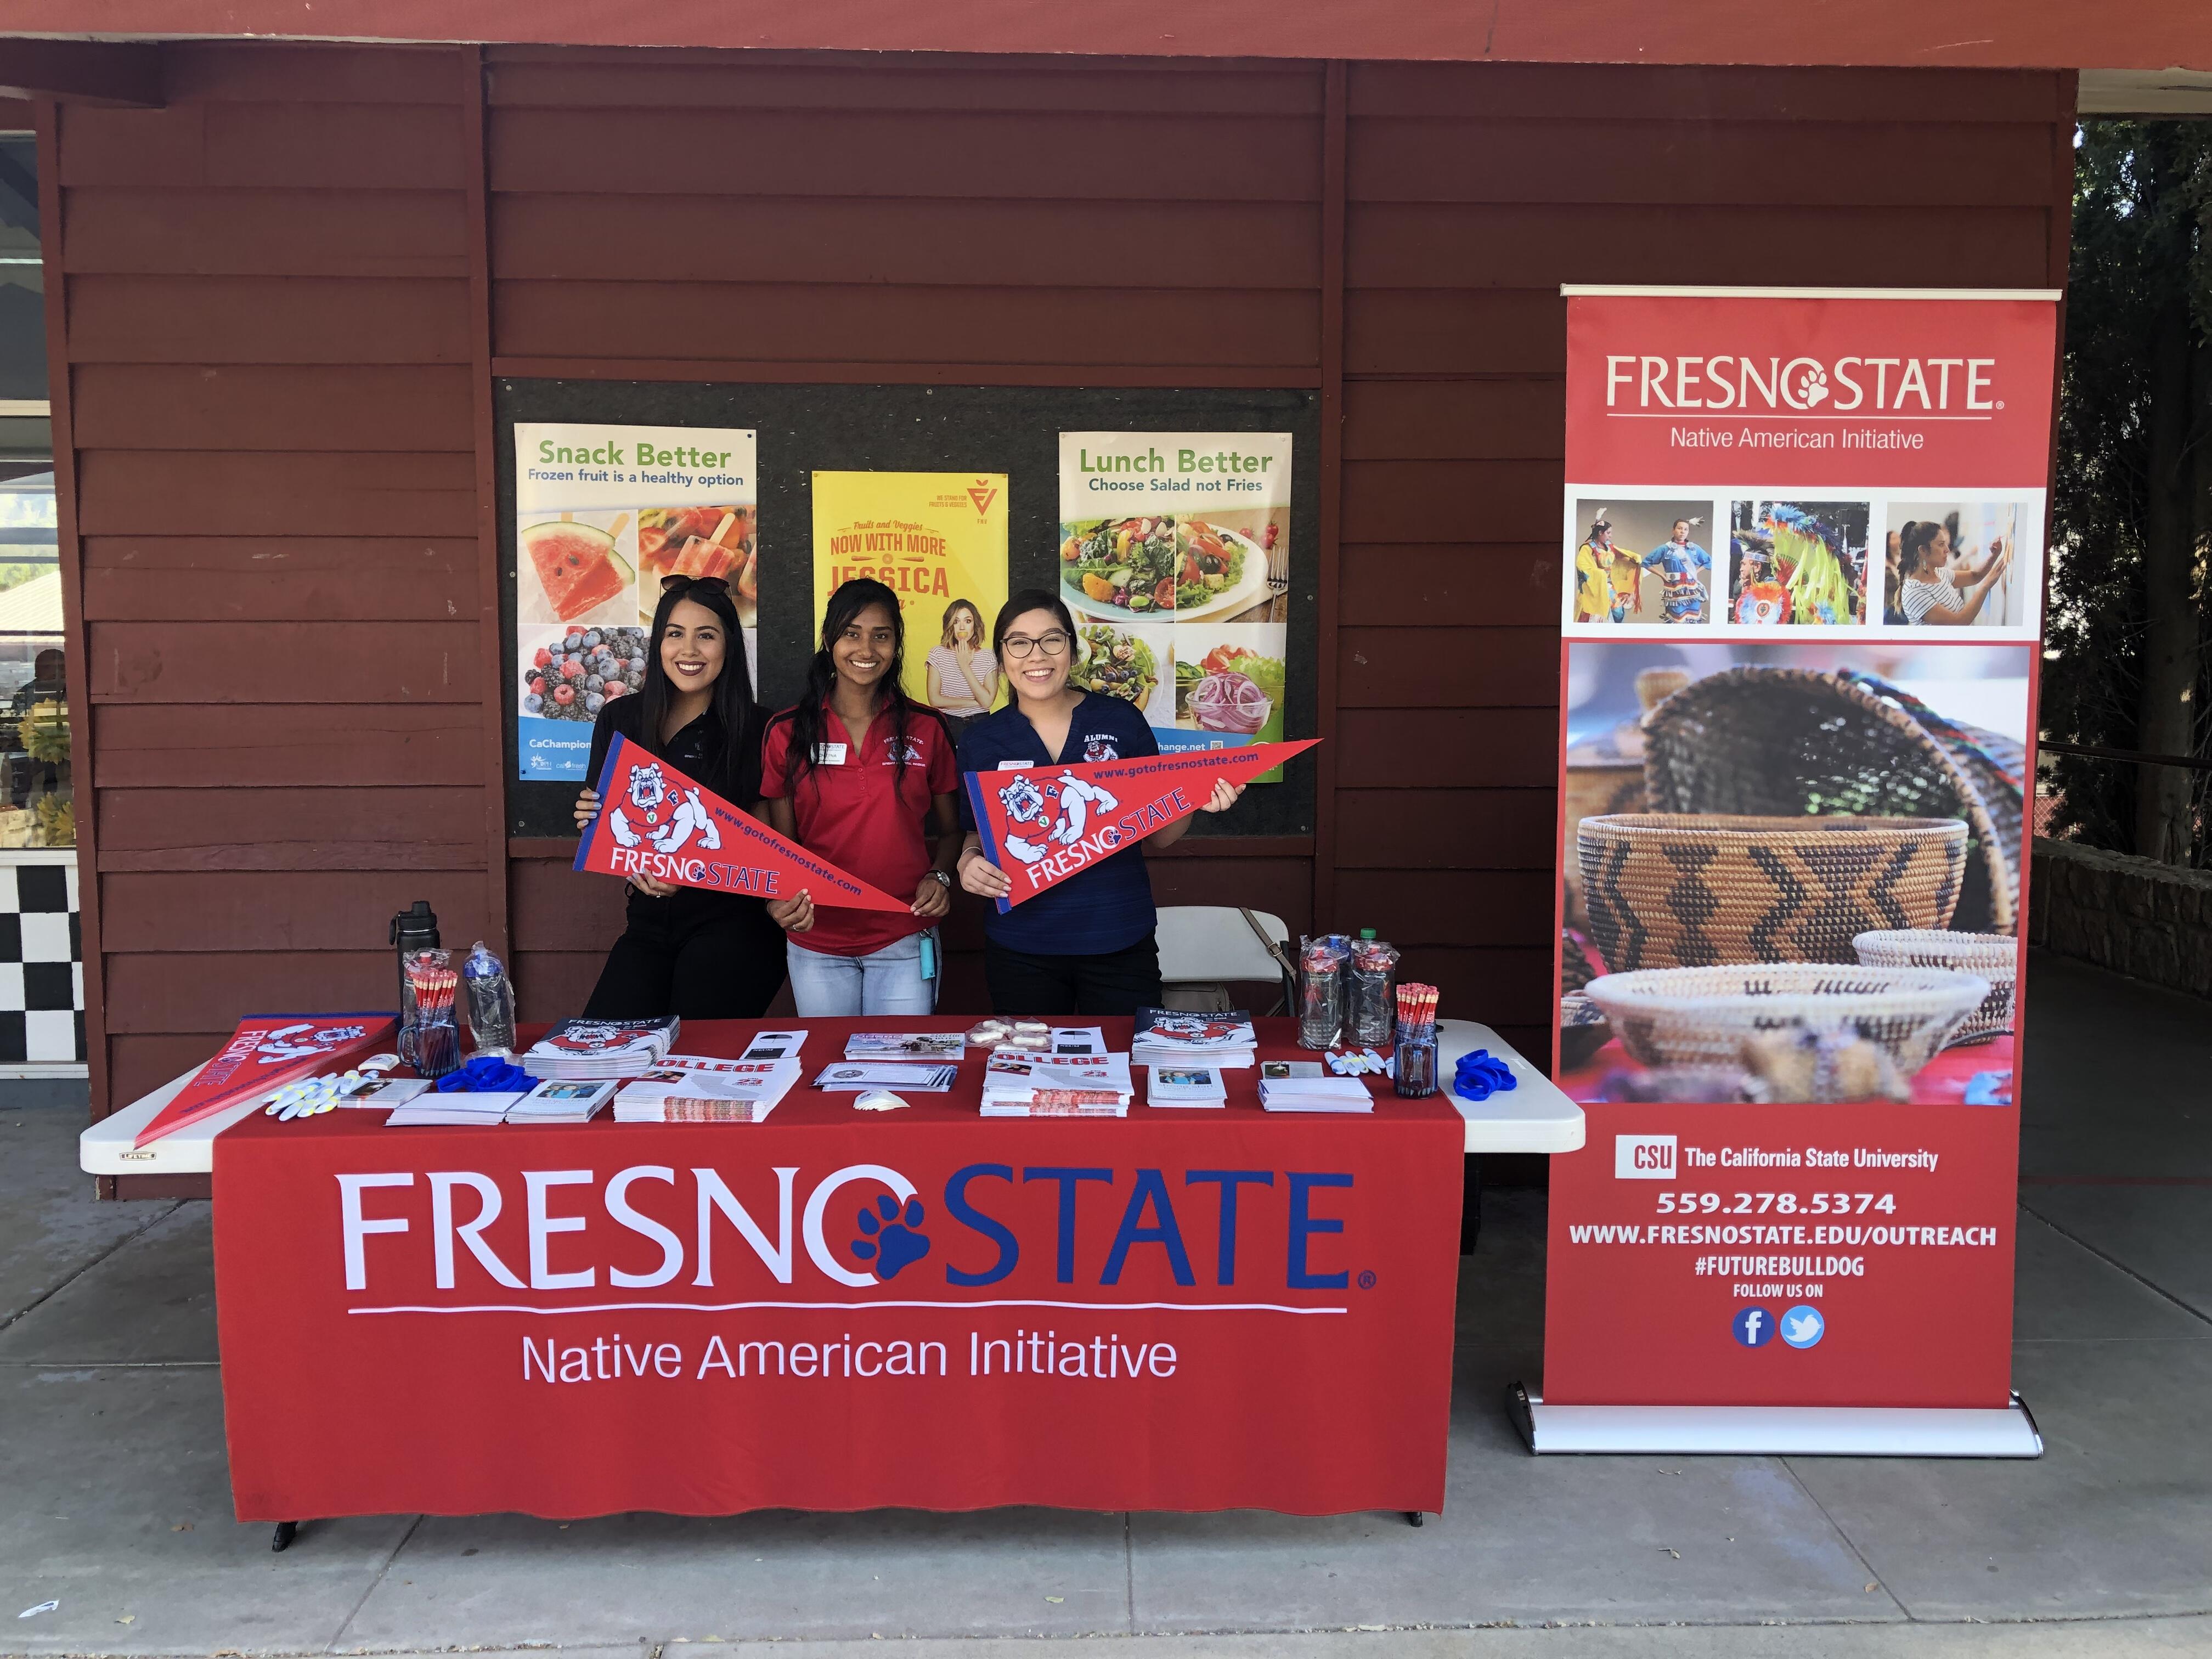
1042,824
266,1052
654,821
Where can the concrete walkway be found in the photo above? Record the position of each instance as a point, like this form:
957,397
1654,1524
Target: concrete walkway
114,1500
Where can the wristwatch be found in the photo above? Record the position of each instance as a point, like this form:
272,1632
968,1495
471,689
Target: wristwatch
943,877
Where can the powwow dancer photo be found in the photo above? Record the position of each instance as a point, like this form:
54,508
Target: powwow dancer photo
1608,578
1684,568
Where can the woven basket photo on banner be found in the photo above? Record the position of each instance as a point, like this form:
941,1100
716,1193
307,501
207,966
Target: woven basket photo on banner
1790,742
1695,890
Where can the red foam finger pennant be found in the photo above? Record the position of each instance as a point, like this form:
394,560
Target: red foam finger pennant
655,821
1042,824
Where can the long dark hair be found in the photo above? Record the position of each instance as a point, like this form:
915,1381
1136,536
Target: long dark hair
732,699
1913,543
809,715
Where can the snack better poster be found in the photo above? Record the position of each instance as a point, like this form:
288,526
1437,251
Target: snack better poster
603,513
1802,541
1175,551
939,541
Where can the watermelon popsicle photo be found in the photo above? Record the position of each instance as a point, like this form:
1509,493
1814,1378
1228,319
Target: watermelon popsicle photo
580,574
699,541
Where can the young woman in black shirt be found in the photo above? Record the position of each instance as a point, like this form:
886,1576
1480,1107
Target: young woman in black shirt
691,951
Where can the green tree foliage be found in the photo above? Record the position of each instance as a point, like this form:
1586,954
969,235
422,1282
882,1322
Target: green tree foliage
2134,421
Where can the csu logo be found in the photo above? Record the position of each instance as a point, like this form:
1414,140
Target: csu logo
1643,1157
1754,1327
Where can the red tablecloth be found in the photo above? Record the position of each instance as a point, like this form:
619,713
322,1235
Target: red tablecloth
1182,1309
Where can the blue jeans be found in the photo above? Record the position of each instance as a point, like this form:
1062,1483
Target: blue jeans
885,982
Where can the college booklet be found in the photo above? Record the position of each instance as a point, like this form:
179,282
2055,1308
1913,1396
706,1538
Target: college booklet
472,1111
906,1045
1171,1036
687,1090
1053,1085
562,1102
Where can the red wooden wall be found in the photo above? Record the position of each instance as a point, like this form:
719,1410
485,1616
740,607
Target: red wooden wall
285,296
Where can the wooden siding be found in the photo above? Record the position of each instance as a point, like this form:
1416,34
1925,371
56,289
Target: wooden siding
282,307
268,352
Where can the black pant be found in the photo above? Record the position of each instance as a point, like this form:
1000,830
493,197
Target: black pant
697,956
1118,982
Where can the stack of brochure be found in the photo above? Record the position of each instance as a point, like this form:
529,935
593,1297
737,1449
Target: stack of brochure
907,1078
1315,1094
1184,1086
478,1111
1171,1036
906,1045
1047,1085
562,1102
688,1090
588,1050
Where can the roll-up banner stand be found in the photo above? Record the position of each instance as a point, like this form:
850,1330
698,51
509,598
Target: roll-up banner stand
1804,538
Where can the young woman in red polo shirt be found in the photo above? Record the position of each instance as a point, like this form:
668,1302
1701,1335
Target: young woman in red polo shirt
863,775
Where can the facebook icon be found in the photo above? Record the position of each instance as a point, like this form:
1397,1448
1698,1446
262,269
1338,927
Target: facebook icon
1754,1327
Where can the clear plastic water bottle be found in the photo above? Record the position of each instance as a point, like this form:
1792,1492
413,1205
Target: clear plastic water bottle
1373,989
491,1002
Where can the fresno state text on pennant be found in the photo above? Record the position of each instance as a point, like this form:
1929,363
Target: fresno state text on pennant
1042,824
655,821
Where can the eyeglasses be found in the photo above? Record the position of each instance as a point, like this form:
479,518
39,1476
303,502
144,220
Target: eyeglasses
682,584
1020,645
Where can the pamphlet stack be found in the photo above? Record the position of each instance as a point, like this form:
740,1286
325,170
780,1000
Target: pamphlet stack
687,1088
1171,1036
1038,1086
591,1050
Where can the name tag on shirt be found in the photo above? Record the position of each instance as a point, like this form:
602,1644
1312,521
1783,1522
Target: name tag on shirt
1013,766
829,754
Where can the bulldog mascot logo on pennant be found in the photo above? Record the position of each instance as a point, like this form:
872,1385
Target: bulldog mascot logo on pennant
666,828
1052,816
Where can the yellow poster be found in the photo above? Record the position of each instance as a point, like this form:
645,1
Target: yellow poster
939,541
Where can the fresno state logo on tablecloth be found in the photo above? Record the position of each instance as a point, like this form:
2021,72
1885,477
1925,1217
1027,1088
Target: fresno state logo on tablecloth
648,814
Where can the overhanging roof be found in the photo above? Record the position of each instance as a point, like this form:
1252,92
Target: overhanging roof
2118,35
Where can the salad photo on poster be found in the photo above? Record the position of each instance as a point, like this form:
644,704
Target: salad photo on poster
1174,550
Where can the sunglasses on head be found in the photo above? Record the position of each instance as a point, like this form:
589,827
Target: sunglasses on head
681,584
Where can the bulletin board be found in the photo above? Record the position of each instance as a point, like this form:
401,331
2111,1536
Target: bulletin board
1014,430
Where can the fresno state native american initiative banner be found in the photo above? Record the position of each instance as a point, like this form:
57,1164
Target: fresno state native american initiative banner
654,821
945,1311
1042,824
1804,538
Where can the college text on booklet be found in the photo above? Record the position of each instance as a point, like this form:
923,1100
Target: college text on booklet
833,1312
655,821
1792,922
1042,824
266,1052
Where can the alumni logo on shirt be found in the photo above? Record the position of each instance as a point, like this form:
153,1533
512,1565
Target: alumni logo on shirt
1101,749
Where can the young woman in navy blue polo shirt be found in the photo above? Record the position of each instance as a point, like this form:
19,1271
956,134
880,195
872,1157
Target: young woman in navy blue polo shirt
863,775
1086,945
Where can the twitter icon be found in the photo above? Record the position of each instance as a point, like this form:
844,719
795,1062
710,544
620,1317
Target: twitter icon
1801,1326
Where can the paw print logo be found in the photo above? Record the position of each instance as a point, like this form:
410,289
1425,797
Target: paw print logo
891,1237
1812,387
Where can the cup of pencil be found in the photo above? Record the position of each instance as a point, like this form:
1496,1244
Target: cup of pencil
1413,1063
430,1041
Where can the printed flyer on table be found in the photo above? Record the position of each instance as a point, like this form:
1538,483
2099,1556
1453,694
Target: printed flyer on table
603,514
1174,552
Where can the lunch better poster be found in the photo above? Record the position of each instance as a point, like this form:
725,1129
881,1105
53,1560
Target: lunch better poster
1802,542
